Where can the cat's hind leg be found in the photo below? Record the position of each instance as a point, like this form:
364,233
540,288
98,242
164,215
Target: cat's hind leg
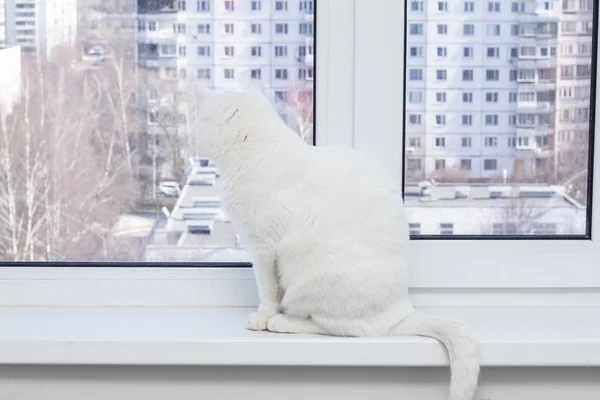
283,323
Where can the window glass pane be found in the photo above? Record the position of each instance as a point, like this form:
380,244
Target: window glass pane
504,125
98,160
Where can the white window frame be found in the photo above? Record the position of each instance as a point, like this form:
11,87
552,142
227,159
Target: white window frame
357,106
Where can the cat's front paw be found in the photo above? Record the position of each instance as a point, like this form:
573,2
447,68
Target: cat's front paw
257,321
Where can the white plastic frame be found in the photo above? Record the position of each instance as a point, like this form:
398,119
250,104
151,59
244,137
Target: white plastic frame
360,95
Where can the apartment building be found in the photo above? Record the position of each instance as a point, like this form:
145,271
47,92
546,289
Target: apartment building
2,23
225,45
38,25
10,79
482,81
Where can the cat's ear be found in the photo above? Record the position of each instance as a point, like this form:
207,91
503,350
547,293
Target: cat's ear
258,86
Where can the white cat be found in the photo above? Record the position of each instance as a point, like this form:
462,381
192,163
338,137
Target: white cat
327,231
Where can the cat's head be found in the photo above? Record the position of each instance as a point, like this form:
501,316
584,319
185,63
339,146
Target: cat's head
225,119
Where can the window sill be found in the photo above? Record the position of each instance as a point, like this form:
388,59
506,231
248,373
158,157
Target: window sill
540,336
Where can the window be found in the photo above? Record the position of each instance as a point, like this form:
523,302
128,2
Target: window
442,51
416,74
514,30
228,29
467,75
416,5
414,119
281,51
465,142
229,5
512,97
494,6
493,52
179,28
414,229
469,6
440,97
182,51
416,29
491,97
440,74
440,142
467,119
181,5
306,5
492,75
203,5
416,51
490,164
228,51
415,97
468,29
203,28
255,5
228,73
442,29
440,165
493,29
305,28
491,119
203,51
414,142
255,73
467,97
255,51
281,5
446,229
256,29
281,73
203,73
467,52
465,164
152,26
281,28
491,141
440,120
442,6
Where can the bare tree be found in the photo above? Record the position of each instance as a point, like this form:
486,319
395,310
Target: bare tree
299,107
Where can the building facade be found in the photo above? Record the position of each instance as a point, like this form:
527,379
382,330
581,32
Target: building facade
484,84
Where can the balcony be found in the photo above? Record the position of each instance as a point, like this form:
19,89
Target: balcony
156,6
534,107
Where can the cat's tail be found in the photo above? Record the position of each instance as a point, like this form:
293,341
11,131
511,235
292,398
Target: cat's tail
462,349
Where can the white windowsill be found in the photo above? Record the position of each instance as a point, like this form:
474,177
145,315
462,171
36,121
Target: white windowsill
532,336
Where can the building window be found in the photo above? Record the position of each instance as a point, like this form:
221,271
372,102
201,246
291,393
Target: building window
446,229
442,6
440,165
491,141
440,120
305,74
492,75
306,5
203,5
179,28
440,142
256,51
416,6
442,51
306,28
281,5
416,29
281,28
415,74
467,97
152,26
228,73
468,29
281,51
281,73
467,119
229,6
512,97
512,120
491,119
514,30
416,52
228,29
256,29
415,97
467,74
469,6
229,51
490,164
493,29
465,142
491,97
465,164
493,6
493,52
181,5
256,74
204,28
414,142
440,97
467,52
414,119
414,229
440,74
182,51
513,75
204,73
256,5
203,51
442,29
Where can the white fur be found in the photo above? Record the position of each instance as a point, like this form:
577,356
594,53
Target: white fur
327,231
